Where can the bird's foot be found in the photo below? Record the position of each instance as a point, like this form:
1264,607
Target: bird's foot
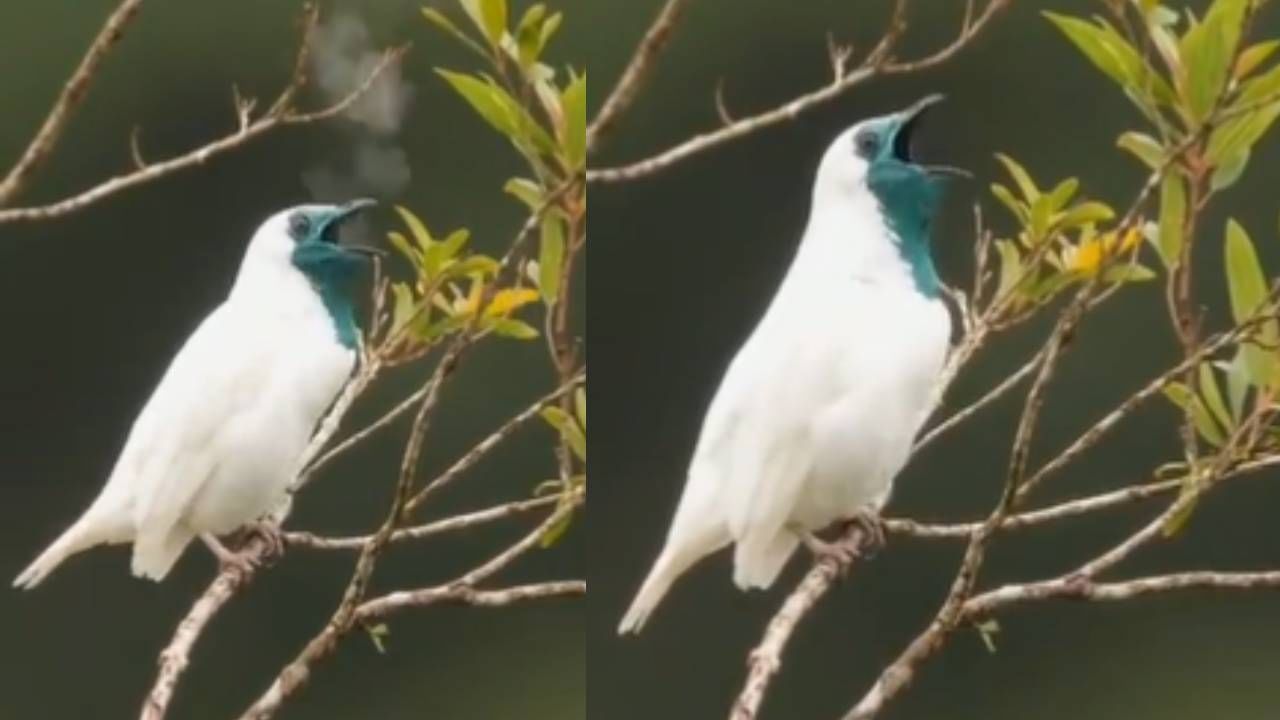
840,551
269,533
243,563
873,533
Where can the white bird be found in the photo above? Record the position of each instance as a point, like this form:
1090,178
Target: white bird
219,441
817,412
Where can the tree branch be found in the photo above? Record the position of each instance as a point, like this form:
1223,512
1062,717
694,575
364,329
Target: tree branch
281,114
877,63
638,69
46,138
294,675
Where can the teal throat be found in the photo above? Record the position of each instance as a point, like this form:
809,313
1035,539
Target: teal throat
332,273
909,199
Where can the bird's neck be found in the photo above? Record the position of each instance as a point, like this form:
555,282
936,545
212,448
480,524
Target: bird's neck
312,283
873,239
332,273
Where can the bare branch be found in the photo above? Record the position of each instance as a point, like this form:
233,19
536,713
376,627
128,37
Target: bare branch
876,64
174,658
766,658
294,675
46,138
279,116
1081,588
483,447
991,396
628,87
312,541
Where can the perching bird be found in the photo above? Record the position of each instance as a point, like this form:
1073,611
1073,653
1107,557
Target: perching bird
818,410
219,441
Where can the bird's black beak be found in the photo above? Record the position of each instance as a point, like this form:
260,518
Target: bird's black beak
344,214
908,121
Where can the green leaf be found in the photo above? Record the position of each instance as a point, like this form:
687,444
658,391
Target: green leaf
1010,266
416,227
500,110
1239,133
1003,195
1114,56
987,630
1245,281
569,430
1208,386
1129,273
403,305
549,27
1086,212
512,328
526,191
529,34
553,533
1040,212
1144,147
481,265
435,17
1209,48
1062,194
401,243
378,634
435,258
574,104
1261,87
1237,384
1247,287
490,16
1172,210
1178,519
1020,176
1191,404
1226,174
550,257
1252,57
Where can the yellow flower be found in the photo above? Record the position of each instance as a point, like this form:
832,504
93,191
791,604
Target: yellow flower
1122,241
1085,257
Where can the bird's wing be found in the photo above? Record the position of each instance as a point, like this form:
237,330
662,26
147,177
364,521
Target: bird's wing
172,448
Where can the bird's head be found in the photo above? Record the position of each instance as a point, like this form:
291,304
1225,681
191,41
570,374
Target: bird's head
297,236
877,155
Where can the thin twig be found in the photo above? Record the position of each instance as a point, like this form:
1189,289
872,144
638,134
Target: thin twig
311,541
294,675
878,65
991,396
46,138
198,156
633,77
482,448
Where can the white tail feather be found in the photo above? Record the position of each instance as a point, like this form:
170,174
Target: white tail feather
757,565
154,554
80,536
655,587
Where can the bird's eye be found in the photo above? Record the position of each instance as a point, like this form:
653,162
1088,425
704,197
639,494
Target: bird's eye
866,144
299,226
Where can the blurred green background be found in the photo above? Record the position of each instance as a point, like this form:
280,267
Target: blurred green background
96,304
689,259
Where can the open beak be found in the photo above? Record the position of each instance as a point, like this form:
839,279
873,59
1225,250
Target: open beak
908,121
348,211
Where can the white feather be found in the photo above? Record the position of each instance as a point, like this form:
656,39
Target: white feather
217,443
817,411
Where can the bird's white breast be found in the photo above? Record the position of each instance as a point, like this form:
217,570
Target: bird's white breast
835,380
